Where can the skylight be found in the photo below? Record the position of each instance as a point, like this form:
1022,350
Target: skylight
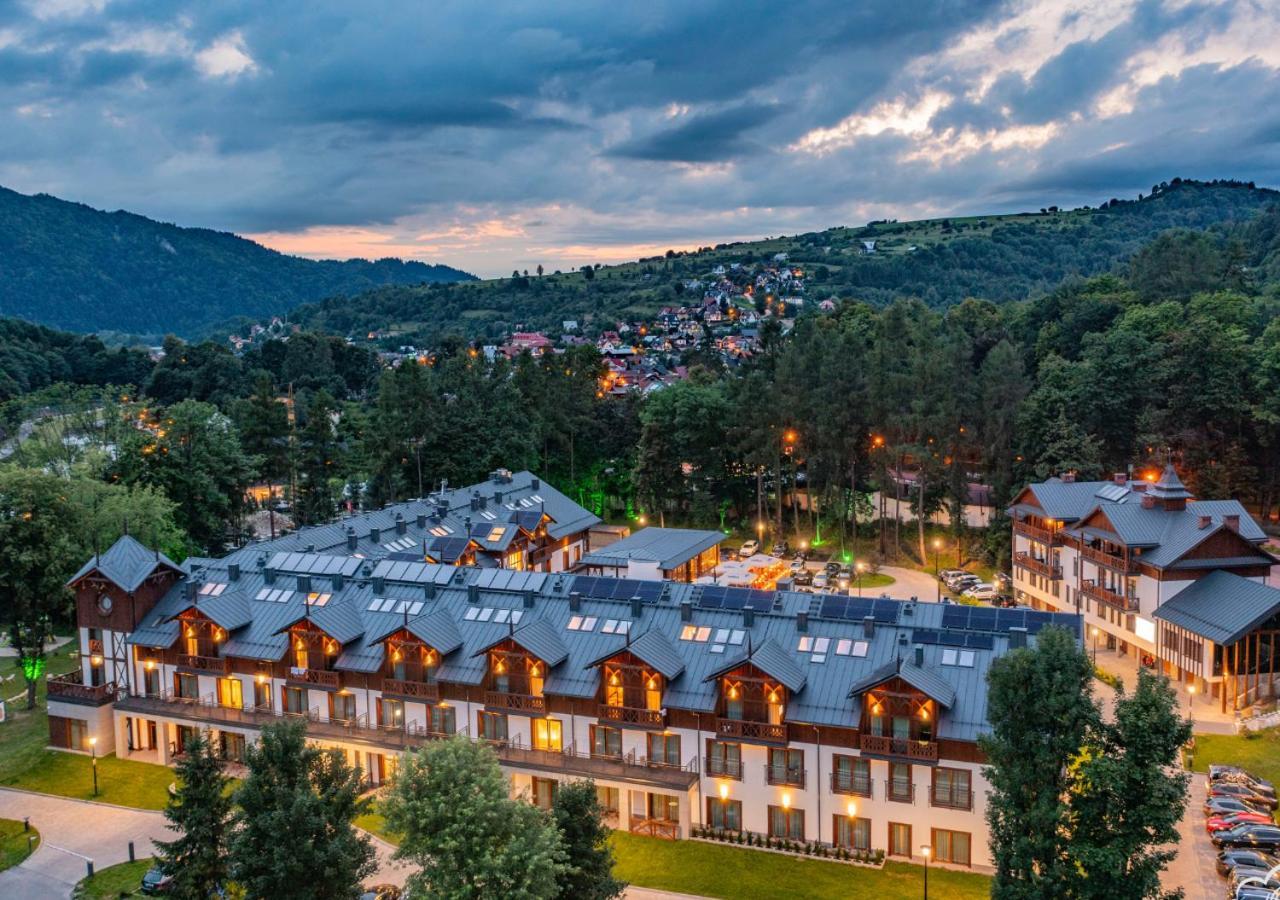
273,595
622,626
848,647
317,599
496,533
211,589
582,623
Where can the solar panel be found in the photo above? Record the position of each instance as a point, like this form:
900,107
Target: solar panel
925,636
712,597
982,619
980,641
953,638
1010,618
955,617
886,611
648,591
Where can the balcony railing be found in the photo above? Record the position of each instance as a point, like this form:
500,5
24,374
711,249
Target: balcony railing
905,748
526,703
427,691
1110,560
1035,532
320,677
1111,598
849,783
219,665
745,730
630,715
720,767
784,775
663,828
951,797
900,791
71,688
1039,566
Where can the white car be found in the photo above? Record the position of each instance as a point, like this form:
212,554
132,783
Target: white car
983,590
820,581
750,548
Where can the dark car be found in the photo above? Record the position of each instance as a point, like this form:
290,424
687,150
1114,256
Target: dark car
1004,601
1236,775
1229,859
1253,892
801,555
780,549
803,578
832,569
156,881
1243,876
1254,837
1218,806
1241,792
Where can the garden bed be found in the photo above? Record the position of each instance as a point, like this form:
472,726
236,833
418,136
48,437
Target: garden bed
810,849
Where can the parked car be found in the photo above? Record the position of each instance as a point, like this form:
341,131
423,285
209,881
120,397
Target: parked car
948,574
801,555
780,549
1231,820
381,892
1253,892
1241,792
804,578
1237,775
1229,859
821,580
749,548
1242,876
797,565
982,591
1003,580
1004,601
1215,806
156,882
1254,837
962,582
832,569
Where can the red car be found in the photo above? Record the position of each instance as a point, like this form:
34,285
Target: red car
1219,823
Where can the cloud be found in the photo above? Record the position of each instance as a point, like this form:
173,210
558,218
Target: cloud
227,57
705,137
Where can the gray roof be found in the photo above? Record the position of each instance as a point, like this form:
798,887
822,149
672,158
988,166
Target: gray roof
1221,607
651,648
923,678
668,547
539,638
126,564
769,658
1166,535
229,611
1068,501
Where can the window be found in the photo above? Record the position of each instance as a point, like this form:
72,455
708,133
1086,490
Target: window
900,786
724,759
492,726
262,695
785,766
391,712
664,749
547,734
610,800
606,741
77,734
232,746
543,793
295,701
724,814
230,693
151,682
852,833
851,775
664,807
899,839
186,687
951,788
951,846
786,823
342,707
443,719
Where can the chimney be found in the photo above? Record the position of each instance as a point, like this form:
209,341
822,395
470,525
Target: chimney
304,584
422,520
475,502
802,621
686,611
429,590
269,575
1138,486
1204,521
497,498
1148,502
442,510
1232,522
748,617
483,500
473,593
528,599
868,627
909,609
402,527
575,601
466,525
375,535
1120,478
919,654
311,548
637,607
233,571
352,541
379,585
190,590
535,484
337,581
1017,638
1068,477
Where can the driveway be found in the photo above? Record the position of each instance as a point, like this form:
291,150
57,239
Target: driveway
1193,868
73,830
907,583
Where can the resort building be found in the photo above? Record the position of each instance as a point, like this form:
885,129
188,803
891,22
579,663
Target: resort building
1180,583
658,554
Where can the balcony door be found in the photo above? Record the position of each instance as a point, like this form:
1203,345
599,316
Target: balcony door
547,735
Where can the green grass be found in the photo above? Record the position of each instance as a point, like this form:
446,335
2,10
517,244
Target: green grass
695,867
24,736
123,880
873,581
1257,751
15,844
374,823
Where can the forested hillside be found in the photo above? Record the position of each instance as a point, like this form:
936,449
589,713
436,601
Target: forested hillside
33,357
940,261
73,267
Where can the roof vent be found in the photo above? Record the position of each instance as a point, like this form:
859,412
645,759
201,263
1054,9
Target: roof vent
497,497
304,584
269,575
429,590
233,571
189,589
575,601
637,607
473,593
466,524
442,510
902,639
686,611
1204,522
528,599
367,569
311,548
909,609
379,586
535,484
337,581
402,527
748,617
375,535
421,520
1148,501
802,621
1232,522
868,627
1068,477
1120,478
352,540
557,586
475,502
919,654
1017,638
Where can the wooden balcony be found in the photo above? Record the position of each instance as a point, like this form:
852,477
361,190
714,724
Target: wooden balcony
324,678
744,730
427,691
1111,598
205,665
901,748
519,703
1110,560
70,688
630,715
1036,533
1039,566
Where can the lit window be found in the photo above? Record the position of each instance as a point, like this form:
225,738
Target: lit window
315,599
496,533
806,643
589,623
687,632
212,589
860,648
703,635
843,647
609,626
575,623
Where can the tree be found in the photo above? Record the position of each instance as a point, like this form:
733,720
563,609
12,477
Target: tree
580,818
318,460
1041,711
263,424
1127,794
293,836
200,811
471,841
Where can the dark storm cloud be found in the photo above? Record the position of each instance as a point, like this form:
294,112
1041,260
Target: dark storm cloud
711,137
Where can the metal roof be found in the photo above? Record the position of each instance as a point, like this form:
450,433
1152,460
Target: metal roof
651,648
769,658
126,564
1221,607
923,678
668,547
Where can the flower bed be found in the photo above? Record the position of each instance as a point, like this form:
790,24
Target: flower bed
813,849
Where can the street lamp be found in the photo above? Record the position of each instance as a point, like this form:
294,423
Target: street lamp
860,566
937,545
926,851
1094,633
1191,705
93,752
724,805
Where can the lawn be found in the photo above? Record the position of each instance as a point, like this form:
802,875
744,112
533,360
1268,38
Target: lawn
711,870
123,880
1257,751
15,844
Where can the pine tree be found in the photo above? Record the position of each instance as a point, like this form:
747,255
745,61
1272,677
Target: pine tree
578,815
200,811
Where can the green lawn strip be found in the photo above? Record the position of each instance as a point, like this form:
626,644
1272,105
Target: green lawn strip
120,781
1257,751
695,867
874,581
375,824
15,844
123,880
25,733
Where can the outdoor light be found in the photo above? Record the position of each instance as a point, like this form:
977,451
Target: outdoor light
853,809
96,660
926,851
262,679
151,665
724,791
786,801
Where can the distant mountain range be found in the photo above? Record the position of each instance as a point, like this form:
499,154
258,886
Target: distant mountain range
74,267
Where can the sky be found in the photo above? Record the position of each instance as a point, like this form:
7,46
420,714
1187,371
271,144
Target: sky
502,135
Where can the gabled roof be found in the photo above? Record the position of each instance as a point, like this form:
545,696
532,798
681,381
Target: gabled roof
340,622
769,658
539,638
651,648
668,547
229,611
1221,607
126,564
436,629
922,678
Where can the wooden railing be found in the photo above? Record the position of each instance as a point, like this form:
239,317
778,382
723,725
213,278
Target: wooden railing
1035,532
71,687
1111,598
904,747
630,715
1039,566
745,730
515,702
320,677
662,828
211,664
1110,560
416,690
849,783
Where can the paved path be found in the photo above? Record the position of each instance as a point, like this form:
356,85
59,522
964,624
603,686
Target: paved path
907,583
71,830
1193,868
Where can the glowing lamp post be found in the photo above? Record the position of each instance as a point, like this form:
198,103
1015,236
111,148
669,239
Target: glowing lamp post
860,567
93,752
937,545
926,851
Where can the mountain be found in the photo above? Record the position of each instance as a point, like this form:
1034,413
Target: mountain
78,268
1000,258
